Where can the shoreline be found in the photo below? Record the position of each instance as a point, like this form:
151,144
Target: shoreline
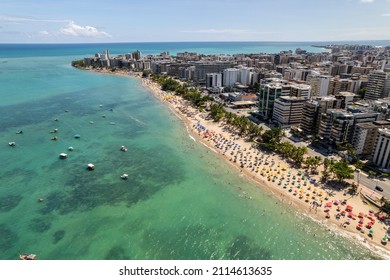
260,174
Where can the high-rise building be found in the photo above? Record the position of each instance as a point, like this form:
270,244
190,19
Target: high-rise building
287,111
245,77
230,76
312,111
381,156
213,80
270,90
336,126
378,85
319,85
364,137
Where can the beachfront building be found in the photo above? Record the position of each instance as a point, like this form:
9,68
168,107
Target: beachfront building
336,126
270,90
381,156
288,111
312,111
365,136
378,85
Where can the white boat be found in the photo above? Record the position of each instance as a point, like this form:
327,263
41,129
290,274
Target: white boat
12,144
63,155
90,166
124,176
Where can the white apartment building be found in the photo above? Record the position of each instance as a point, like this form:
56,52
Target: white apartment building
213,80
381,156
230,77
319,85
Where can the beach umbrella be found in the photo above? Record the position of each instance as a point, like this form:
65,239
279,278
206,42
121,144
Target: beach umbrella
361,214
336,201
328,204
371,231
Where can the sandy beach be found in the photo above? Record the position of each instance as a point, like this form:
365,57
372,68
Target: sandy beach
345,214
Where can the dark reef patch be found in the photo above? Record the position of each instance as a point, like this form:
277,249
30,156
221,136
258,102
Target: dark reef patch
58,236
39,225
8,238
193,242
9,202
117,253
242,248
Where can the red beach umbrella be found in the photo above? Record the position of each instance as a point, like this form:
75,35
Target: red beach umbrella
328,204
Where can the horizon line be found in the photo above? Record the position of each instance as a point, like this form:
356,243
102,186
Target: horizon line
159,42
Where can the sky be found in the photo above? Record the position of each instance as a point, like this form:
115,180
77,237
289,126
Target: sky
89,21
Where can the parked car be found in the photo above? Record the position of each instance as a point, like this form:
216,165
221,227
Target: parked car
378,188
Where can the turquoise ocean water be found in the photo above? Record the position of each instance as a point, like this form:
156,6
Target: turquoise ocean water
181,201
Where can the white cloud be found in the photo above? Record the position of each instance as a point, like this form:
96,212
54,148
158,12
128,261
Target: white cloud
44,33
224,31
385,15
76,30
367,1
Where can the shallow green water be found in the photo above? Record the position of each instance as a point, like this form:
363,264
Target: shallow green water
180,202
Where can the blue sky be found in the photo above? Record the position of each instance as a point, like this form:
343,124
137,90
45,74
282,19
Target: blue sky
68,21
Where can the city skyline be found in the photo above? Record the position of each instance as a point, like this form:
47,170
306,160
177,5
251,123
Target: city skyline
173,21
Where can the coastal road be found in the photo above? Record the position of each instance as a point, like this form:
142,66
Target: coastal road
370,183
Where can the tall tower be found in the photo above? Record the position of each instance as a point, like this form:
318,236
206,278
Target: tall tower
377,85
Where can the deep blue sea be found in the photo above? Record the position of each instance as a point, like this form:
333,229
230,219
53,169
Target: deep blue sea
31,50
180,201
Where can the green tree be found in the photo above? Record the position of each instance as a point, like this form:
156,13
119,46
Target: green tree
272,138
342,170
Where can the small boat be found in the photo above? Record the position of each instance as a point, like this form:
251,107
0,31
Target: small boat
124,176
19,132
70,148
123,149
90,166
77,136
63,156
54,138
28,257
12,144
